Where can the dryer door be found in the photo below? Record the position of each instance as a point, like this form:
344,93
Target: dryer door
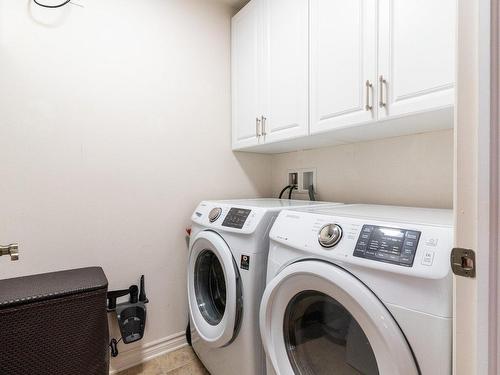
316,318
214,289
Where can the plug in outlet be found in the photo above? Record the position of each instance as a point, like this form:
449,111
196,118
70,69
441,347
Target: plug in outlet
293,177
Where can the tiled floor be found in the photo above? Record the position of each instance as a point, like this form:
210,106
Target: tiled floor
180,362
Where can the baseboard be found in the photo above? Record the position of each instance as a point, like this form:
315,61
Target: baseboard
137,355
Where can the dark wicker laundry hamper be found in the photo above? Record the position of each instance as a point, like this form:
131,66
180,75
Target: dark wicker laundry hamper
54,324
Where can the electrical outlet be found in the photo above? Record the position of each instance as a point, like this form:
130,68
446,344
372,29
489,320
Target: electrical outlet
302,178
292,177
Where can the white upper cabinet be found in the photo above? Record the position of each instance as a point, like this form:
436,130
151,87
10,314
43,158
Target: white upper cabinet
246,55
286,69
270,72
343,63
310,73
416,55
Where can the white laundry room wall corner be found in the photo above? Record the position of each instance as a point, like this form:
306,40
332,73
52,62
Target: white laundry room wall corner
115,123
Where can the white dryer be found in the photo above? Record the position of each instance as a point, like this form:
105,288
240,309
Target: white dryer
359,289
226,278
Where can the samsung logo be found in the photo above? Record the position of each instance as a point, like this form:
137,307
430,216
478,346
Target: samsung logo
290,216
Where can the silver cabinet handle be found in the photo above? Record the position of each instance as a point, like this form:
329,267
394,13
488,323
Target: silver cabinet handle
12,250
369,86
257,127
264,125
382,82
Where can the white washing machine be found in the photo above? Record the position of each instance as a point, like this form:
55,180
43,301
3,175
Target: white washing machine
359,289
226,278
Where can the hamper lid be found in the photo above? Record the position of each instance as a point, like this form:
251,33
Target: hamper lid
45,286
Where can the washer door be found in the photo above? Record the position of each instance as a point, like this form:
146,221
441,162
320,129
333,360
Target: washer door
316,318
214,290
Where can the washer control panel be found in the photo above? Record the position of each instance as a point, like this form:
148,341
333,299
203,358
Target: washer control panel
236,218
386,244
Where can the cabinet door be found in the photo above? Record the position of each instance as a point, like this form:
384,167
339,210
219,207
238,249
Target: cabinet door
246,60
343,41
285,92
416,55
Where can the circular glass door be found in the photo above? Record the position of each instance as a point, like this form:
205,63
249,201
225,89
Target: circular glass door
210,287
317,318
321,335
214,290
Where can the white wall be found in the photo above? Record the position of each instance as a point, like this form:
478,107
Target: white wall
414,170
114,123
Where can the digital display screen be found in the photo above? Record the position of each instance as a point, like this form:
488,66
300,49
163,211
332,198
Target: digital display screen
387,239
236,218
390,245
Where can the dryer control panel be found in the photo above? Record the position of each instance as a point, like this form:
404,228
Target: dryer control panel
236,218
228,217
387,244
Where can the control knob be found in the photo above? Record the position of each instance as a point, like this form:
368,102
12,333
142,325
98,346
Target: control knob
330,235
214,214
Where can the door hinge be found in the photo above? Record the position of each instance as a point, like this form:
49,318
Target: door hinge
463,262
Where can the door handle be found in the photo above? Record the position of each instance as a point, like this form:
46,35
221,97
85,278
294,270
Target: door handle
258,132
264,125
369,86
12,250
382,82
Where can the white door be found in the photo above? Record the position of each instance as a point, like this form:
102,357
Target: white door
214,290
477,188
317,318
343,42
285,69
246,62
416,55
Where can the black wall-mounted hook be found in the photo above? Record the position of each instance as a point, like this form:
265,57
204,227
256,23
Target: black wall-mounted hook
113,295
134,294
142,293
